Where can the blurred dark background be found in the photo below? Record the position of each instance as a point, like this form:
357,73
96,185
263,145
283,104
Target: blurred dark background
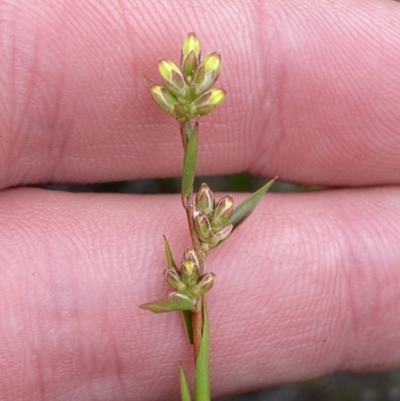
335,387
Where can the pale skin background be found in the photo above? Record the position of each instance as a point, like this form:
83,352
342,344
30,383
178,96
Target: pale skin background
309,285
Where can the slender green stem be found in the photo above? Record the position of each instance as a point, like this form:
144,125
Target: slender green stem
187,202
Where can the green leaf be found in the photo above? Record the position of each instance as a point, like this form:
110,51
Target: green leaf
202,361
168,253
187,322
189,162
174,302
244,210
185,392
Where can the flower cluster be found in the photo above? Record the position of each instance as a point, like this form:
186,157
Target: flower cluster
187,281
187,92
211,226
211,219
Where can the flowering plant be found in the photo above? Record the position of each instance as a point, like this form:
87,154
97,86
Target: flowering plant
186,94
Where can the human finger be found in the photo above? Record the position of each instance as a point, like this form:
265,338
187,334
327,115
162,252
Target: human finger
309,285
313,90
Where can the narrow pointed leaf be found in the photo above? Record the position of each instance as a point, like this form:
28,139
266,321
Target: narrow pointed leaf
189,162
168,305
244,210
168,253
185,392
187,323
202,362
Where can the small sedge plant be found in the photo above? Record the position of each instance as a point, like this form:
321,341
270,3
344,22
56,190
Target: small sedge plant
187,94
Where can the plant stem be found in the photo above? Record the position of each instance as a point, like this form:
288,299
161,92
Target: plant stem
184,137
187,202
197,324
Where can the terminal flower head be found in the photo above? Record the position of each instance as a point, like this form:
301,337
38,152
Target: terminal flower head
186,91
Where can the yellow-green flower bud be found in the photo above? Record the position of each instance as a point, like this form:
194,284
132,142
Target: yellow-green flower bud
190,55
221,235
207,102
164,99
173,79
205,200
222,213
207,73
203,227
174,280
191,43
190,272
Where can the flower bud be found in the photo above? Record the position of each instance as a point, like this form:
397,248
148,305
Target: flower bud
190,55
164,99
172,78
205,282
190,272
174,280
221,235
191,43
207,102
222,212
189,65
190,254
203,227
205,200
207,73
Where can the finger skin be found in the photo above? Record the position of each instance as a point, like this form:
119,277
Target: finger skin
309,285
313,90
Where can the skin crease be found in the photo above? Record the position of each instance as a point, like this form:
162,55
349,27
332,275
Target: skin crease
309,285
